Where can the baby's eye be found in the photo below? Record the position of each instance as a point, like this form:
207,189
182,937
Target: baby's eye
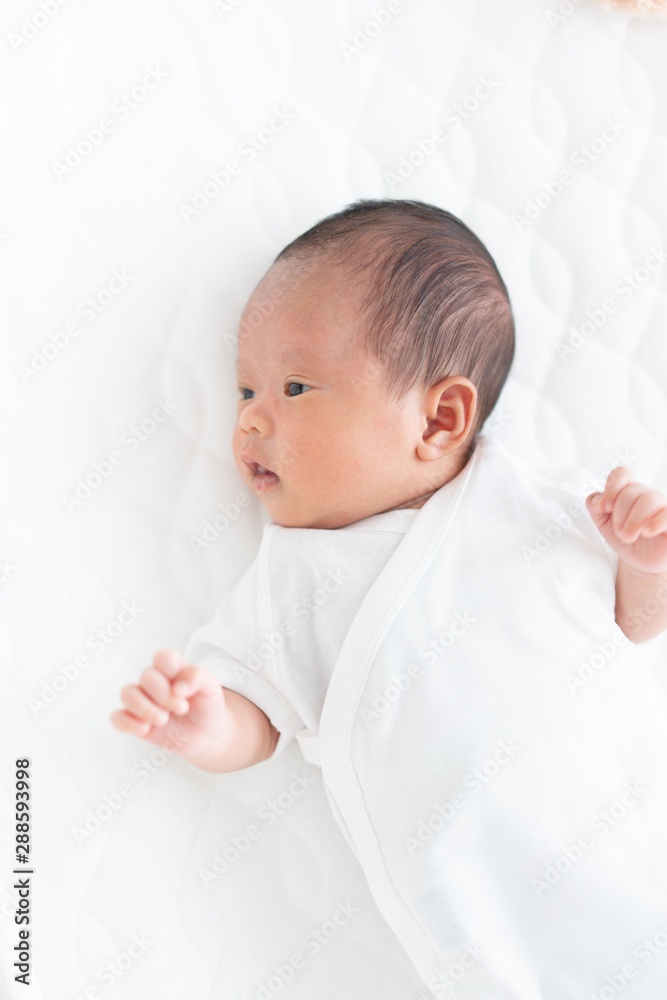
242,390
290,384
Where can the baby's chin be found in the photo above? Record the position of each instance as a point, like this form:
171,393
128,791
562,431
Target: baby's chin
289,516
320,521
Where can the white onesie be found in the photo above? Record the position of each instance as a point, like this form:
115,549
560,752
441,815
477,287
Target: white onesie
276,636
492,746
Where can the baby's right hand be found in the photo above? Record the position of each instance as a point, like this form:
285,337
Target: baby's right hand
176,706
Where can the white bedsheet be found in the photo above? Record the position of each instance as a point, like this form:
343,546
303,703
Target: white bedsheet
122,287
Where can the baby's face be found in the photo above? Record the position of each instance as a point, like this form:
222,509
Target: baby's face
313,409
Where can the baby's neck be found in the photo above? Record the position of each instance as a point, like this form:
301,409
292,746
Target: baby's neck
417,502
421,500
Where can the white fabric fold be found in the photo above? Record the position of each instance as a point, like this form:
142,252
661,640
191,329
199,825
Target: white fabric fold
491,745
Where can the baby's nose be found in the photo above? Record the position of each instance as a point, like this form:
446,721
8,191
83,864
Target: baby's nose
255,417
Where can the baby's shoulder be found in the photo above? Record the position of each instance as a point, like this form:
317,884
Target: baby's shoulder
551,476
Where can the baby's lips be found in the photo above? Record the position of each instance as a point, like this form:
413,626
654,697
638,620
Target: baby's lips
255,467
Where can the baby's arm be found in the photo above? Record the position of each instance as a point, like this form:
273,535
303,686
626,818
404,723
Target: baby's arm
185,709
632,519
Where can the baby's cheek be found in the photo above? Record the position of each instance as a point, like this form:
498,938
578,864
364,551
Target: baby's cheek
237,448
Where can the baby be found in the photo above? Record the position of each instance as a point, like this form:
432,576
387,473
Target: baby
393,320
393,323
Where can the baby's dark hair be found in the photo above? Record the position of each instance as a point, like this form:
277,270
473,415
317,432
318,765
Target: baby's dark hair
435,304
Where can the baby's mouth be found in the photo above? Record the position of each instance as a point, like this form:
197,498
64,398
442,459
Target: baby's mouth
263,478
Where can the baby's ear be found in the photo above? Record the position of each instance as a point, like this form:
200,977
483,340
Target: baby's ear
638,8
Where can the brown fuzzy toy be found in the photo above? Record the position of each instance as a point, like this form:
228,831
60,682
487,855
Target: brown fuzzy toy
639,8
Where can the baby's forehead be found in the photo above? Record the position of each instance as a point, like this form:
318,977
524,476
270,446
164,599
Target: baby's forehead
308,310
304,284
305,353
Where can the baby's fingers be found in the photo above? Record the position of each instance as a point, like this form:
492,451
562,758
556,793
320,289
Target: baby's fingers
194,680
617,480
157,686
127,723
140,705
168,662
636,507
657,524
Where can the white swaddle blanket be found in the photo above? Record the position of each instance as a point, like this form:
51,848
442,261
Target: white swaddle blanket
492,746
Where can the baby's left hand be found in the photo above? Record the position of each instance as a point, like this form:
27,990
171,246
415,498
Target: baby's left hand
632,519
